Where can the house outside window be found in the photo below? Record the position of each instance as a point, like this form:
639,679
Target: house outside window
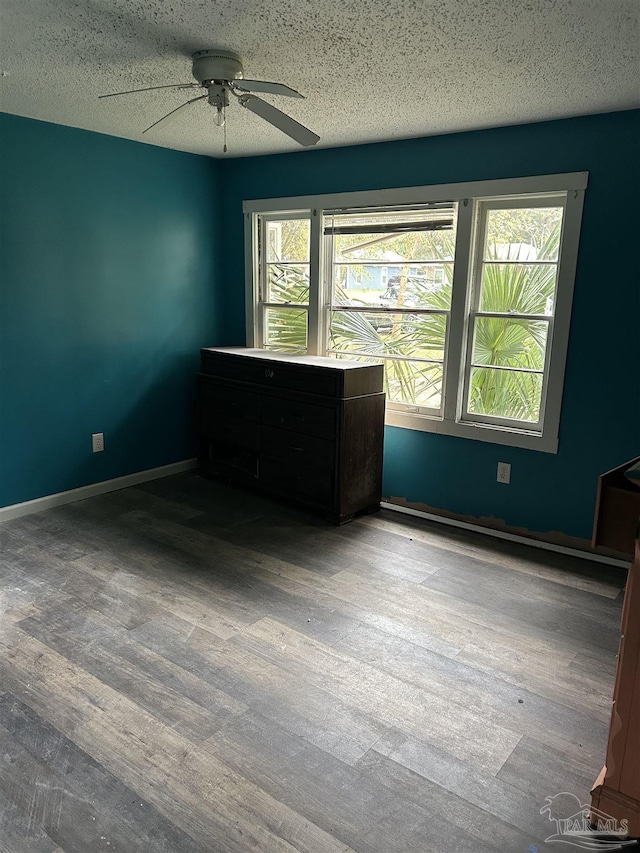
463,292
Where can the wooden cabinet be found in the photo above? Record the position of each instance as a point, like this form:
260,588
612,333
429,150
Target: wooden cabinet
616,791
306,428
617,510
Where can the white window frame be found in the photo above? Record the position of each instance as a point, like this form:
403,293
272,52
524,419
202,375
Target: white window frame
331,307
263,305
468,195
473,310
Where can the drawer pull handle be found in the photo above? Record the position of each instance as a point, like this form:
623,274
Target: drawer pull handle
299,449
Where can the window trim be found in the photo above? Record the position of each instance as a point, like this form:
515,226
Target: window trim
469,196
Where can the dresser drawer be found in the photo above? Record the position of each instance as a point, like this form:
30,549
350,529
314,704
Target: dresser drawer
217,364
272,373
298,447
287,478
327,377
325,383
301,417
232,432
218,398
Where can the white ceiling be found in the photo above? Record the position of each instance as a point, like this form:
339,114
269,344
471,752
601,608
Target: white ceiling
370,69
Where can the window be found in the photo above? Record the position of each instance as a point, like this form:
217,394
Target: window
284,284
511,310
463,292
405,326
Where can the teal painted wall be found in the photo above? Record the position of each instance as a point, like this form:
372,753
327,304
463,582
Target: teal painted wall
109,286
601,407
115,271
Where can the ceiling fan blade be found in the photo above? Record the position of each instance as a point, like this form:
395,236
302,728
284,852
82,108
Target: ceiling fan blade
280,120
265,86
186,104
149,88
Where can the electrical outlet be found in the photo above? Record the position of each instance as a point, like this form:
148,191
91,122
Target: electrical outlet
504,472
97,442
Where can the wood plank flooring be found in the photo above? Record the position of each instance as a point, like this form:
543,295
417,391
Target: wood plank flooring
186,668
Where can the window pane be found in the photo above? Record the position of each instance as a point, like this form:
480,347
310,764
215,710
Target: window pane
378,233
288,240
370,219
505,394
523,234
391,286
288,283
412,382
510,342
375,264
285,329
394,247
356,284
402,334
524,288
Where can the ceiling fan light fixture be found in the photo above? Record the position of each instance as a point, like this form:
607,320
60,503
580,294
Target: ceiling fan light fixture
219,117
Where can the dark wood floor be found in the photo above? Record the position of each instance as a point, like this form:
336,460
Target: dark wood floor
189,669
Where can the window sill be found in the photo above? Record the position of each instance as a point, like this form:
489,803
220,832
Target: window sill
477,432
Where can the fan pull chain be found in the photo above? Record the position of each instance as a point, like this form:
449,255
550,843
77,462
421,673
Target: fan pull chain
224,129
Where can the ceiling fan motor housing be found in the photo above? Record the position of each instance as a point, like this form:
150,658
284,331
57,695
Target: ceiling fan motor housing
212,65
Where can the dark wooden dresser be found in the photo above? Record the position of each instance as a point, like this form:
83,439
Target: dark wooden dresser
306,428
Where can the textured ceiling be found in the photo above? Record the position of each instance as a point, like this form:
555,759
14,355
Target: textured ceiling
371,69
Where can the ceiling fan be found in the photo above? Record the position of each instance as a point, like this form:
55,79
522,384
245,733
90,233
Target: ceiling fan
220,72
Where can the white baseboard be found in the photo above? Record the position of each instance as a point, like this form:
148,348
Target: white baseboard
511,537
93,489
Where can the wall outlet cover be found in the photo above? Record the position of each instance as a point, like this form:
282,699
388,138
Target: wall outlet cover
504,472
